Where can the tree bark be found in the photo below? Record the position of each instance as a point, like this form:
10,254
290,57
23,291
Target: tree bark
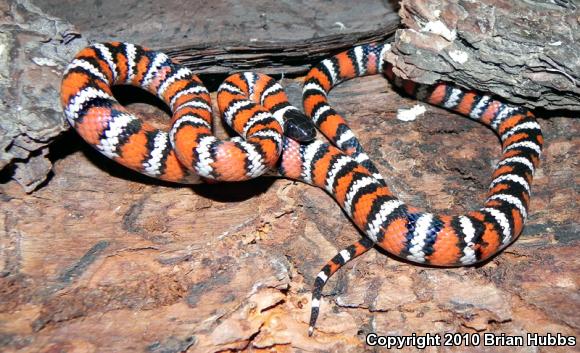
288,58
526,52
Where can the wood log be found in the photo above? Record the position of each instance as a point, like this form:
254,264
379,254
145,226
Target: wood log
104,260
290,58
32,57
523,51
101,259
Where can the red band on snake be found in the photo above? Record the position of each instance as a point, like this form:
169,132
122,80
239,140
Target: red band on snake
257,108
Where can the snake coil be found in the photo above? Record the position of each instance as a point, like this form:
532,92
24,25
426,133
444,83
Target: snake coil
277,136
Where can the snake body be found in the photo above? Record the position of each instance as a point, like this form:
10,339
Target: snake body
277,137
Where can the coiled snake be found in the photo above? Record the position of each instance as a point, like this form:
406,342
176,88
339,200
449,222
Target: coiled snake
276,136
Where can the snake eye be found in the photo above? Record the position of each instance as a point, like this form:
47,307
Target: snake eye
298,126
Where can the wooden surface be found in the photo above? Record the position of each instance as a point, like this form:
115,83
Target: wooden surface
523,51
32,58
103,260
175,23
100,259
289,58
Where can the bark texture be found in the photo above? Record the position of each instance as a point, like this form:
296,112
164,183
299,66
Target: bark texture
286,58
32,57
527,52
104,260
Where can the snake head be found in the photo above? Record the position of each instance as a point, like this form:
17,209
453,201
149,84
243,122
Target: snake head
298,126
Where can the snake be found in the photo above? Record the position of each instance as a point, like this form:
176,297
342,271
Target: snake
276,138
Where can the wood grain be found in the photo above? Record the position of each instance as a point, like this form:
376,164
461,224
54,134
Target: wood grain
104,260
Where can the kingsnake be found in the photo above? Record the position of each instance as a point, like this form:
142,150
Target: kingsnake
278,137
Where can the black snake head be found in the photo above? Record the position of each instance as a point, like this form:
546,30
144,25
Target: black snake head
298,126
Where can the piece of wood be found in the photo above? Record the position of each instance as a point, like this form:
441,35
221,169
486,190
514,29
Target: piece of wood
32,58
523,51
290,58
176,23
104,260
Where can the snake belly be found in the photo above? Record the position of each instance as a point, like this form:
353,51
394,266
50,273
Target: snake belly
257,108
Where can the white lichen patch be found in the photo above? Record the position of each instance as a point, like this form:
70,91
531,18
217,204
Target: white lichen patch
459,56
44,61
5,44
411,113
438,27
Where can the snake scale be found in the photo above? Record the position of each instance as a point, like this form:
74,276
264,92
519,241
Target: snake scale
277,137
